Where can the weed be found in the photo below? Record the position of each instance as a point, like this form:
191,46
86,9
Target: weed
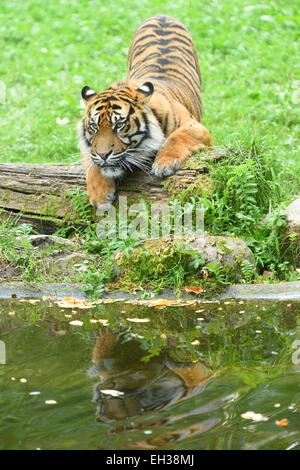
15,249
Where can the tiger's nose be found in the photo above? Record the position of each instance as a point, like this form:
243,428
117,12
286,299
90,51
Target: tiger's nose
104,155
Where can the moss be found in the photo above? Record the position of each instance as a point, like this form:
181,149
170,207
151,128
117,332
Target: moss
5,196
51,206
195,162
164,263
183,189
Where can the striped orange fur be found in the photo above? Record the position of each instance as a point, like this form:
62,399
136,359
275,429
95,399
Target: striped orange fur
151,119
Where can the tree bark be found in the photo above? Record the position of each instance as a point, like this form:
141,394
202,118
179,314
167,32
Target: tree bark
40,194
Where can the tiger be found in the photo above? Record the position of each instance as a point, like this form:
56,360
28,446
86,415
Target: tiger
152,120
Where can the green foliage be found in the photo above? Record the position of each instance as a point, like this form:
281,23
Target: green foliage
99,271
95,278
15,250
246,201
248,271
160,265
81,205
244,187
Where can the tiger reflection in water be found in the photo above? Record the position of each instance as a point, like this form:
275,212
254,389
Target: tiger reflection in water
144,387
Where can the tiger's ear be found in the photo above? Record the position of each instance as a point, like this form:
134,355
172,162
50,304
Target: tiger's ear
87,94
146,90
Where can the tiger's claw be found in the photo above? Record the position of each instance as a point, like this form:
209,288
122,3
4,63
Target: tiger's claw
166,169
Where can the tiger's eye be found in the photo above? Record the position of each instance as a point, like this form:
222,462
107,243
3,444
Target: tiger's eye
119,125
94,127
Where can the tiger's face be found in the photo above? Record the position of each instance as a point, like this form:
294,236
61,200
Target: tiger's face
118,132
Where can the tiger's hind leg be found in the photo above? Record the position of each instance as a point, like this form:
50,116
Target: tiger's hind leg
100,189
182,143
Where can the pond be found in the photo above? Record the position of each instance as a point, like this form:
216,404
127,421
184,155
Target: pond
162,375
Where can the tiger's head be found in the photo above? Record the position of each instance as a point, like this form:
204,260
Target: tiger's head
119,130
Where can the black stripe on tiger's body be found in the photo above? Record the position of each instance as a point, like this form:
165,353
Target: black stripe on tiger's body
152,118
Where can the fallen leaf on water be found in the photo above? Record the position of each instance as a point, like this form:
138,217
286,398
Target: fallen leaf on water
107,301
113,393
30,301
254,416
70,302
283,423
194,290
159,302
138,320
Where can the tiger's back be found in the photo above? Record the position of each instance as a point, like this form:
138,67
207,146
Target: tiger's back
162,51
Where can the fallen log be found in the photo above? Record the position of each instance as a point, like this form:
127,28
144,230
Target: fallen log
43,194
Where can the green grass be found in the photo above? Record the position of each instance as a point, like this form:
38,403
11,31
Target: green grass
249,57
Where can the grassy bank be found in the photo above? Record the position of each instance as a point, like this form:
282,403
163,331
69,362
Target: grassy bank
243,200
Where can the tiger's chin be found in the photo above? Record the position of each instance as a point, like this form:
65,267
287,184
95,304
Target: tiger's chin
112,172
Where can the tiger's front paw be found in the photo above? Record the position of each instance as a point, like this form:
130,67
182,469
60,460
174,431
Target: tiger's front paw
101,190
100,201
106,206
165,167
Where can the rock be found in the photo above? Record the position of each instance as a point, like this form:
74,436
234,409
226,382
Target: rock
221,252
281,291
43,240
20,290
58,265
293,219
227,251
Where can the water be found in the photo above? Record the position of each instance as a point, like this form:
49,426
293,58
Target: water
182,380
